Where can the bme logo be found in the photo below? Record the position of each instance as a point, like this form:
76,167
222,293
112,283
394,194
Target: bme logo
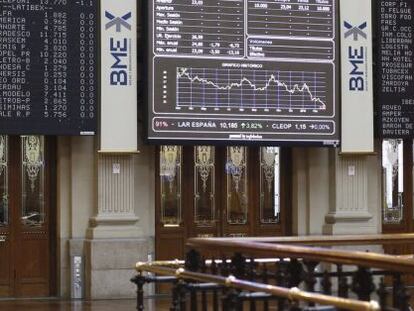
118,22
356,56
355,31
119,48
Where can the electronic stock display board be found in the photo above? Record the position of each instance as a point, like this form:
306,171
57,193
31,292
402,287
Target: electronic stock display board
395,68
243,70
48,67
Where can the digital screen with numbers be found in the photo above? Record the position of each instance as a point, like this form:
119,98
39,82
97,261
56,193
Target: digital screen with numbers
395,67
48,67
243,70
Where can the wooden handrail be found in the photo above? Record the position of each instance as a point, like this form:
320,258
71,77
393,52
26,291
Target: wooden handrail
291,294
325,240
217,248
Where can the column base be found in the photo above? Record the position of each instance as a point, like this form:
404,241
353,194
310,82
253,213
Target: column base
348,222
349,228
347,216
110,266
113,227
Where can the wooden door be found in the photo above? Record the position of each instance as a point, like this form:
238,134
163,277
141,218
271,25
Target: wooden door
26,254
6,230
253,192
206,191
169,224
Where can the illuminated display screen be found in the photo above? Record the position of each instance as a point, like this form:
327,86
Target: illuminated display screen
48,67
395,69
243,70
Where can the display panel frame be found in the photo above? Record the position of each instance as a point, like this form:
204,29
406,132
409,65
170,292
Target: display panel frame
53,101
276,127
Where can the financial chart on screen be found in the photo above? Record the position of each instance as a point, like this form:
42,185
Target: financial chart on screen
243,70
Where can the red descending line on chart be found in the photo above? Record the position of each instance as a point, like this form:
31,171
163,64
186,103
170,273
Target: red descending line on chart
246,88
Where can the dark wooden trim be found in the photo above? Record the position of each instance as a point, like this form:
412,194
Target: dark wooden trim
286,191
157,200
51,156
407,224
14,200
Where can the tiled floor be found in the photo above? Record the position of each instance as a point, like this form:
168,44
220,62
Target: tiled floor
160,304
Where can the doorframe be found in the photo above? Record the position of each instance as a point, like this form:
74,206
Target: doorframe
50,156
407,223
55,261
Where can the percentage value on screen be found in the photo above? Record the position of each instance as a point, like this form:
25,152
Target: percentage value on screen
320,127
161,124
252,126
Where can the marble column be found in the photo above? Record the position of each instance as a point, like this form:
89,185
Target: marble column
114,238
115,211
349,195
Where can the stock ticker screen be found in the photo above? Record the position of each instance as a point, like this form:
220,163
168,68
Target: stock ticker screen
243,70
48,67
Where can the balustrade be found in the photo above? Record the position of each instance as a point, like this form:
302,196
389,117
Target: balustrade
267,274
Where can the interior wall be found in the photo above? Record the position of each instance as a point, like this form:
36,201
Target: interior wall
77,184
63,214
145,193
310,190
314,189
76,201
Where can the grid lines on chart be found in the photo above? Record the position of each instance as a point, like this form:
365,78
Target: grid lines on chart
251,89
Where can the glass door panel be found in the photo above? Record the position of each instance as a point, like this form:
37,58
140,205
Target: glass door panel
393,181
33,181
204,186
237,185
269,185
170,184
4,181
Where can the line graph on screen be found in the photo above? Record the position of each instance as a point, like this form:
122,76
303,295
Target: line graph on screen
251,89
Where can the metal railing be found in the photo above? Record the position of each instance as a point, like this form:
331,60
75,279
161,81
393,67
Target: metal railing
258,273
231,282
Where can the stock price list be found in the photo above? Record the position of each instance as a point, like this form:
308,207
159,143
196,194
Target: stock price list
48,67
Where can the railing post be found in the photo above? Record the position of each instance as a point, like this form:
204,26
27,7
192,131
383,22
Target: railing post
175,306
251,270
343,287
326,283
139,281
281,280
193,299
282,273
265,279
215,300
362,283
203,269
238,263
232,300
382,294
213,267
182,294
193,261
295,270
310,279
400,296
224,270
